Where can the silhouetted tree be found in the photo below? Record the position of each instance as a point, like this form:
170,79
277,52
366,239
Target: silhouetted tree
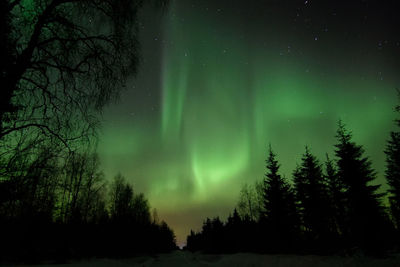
392,172
234,219
328,212
26,170
29,185
194,241
280,215
82,191
60,67
122,200
312,197
141,209
63,213
365,215
165,238
92,198
131,229
61,62
336,191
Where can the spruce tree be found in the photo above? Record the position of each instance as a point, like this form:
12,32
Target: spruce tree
280,215
313,200
336,192
365,215
392,172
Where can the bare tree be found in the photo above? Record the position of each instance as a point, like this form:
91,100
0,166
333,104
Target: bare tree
63,61
82,189
29,183
250,201
121,198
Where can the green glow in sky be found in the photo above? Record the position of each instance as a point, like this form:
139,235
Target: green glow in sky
212,95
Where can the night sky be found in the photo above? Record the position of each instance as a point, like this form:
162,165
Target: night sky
220,80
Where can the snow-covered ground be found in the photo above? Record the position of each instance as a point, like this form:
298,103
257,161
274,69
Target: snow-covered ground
184,258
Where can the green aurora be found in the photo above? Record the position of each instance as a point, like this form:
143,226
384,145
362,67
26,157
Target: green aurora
216,88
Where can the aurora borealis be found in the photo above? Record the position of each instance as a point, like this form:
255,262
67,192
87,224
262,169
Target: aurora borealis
222,79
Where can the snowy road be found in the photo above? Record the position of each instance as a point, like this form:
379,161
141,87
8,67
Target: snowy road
183,258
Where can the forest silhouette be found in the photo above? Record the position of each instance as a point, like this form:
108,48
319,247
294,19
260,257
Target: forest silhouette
330,208
61,63
59,70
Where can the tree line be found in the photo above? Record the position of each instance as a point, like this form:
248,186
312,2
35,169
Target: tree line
330,207
69,211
